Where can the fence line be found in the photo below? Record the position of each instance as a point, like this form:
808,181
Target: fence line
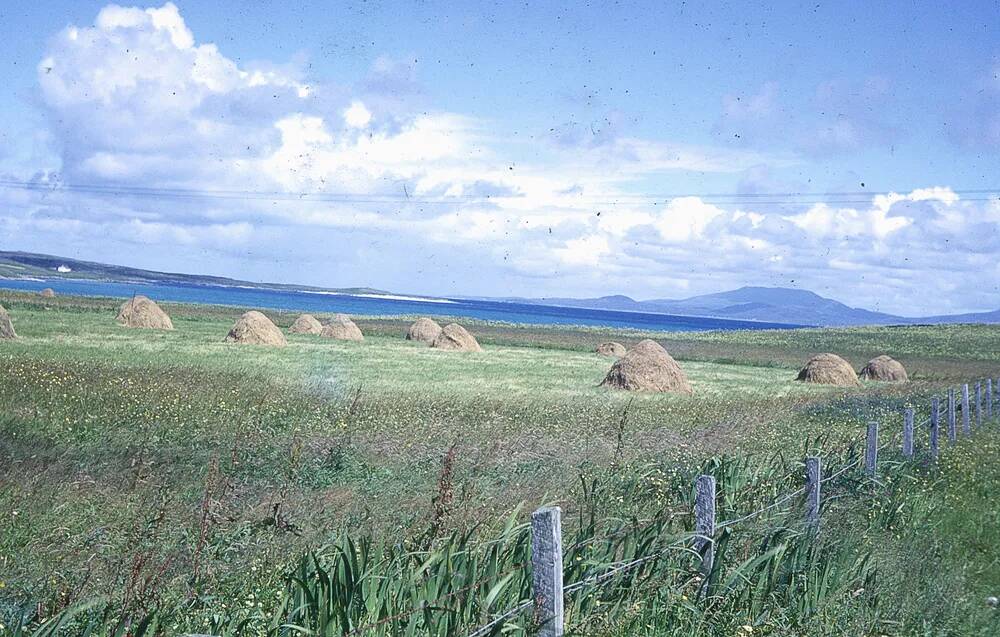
548,591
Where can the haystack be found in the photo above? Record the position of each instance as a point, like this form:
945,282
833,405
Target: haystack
6,326
342,328
647,367
884,368
141,311
454,337
611,348
306,324
256,329
829,369
47,293
424,330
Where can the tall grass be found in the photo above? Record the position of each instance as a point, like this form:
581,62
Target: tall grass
633,572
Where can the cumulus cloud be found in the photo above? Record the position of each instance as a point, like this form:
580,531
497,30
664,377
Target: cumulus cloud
256,171
587,250
686,218
356,115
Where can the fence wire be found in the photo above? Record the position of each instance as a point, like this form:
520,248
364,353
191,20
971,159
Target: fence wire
750,516
485,628
622,567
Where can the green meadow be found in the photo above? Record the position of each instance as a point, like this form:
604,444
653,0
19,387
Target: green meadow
176,476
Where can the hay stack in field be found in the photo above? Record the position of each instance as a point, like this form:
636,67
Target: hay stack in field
6,325
306,324
884,368
647,367
256,329
47,293
611,349
141,311
342,328
456,338
829,369
424,330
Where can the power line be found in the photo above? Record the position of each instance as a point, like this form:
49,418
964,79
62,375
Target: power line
787,198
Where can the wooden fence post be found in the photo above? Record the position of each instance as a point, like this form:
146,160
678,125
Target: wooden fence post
979,405
952,425
547,570
965,410
935,428
989,397
871,450
704,525
813,476
908,433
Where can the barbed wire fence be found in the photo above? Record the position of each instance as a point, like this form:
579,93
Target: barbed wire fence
548,591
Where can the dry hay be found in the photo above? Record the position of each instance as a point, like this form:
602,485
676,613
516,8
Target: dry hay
47,293
141,311
6,325
306,324
611,348
829,369
456,338
256,329
884,368
647,367
342,328
424,330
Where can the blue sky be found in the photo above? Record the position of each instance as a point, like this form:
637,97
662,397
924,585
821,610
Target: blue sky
578,121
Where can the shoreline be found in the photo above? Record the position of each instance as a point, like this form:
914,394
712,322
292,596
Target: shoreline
485,311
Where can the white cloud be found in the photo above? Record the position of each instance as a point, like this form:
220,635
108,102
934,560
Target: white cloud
356,115
686,218
585,251
137,100
822,220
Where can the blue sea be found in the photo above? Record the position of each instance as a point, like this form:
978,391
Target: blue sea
274,299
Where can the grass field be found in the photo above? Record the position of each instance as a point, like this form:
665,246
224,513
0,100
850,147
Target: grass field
169,468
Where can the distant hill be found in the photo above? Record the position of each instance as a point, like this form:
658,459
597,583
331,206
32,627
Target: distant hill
772,305
21,265
975,317
783,305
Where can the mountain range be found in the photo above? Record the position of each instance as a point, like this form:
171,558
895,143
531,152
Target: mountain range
771,304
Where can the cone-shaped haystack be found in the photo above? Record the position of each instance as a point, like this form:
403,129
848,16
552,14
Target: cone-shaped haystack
256,329
829,369
342,328
140,311
647,367
6,325
306,324
456,338
884,368
47,293
611,348
424,330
